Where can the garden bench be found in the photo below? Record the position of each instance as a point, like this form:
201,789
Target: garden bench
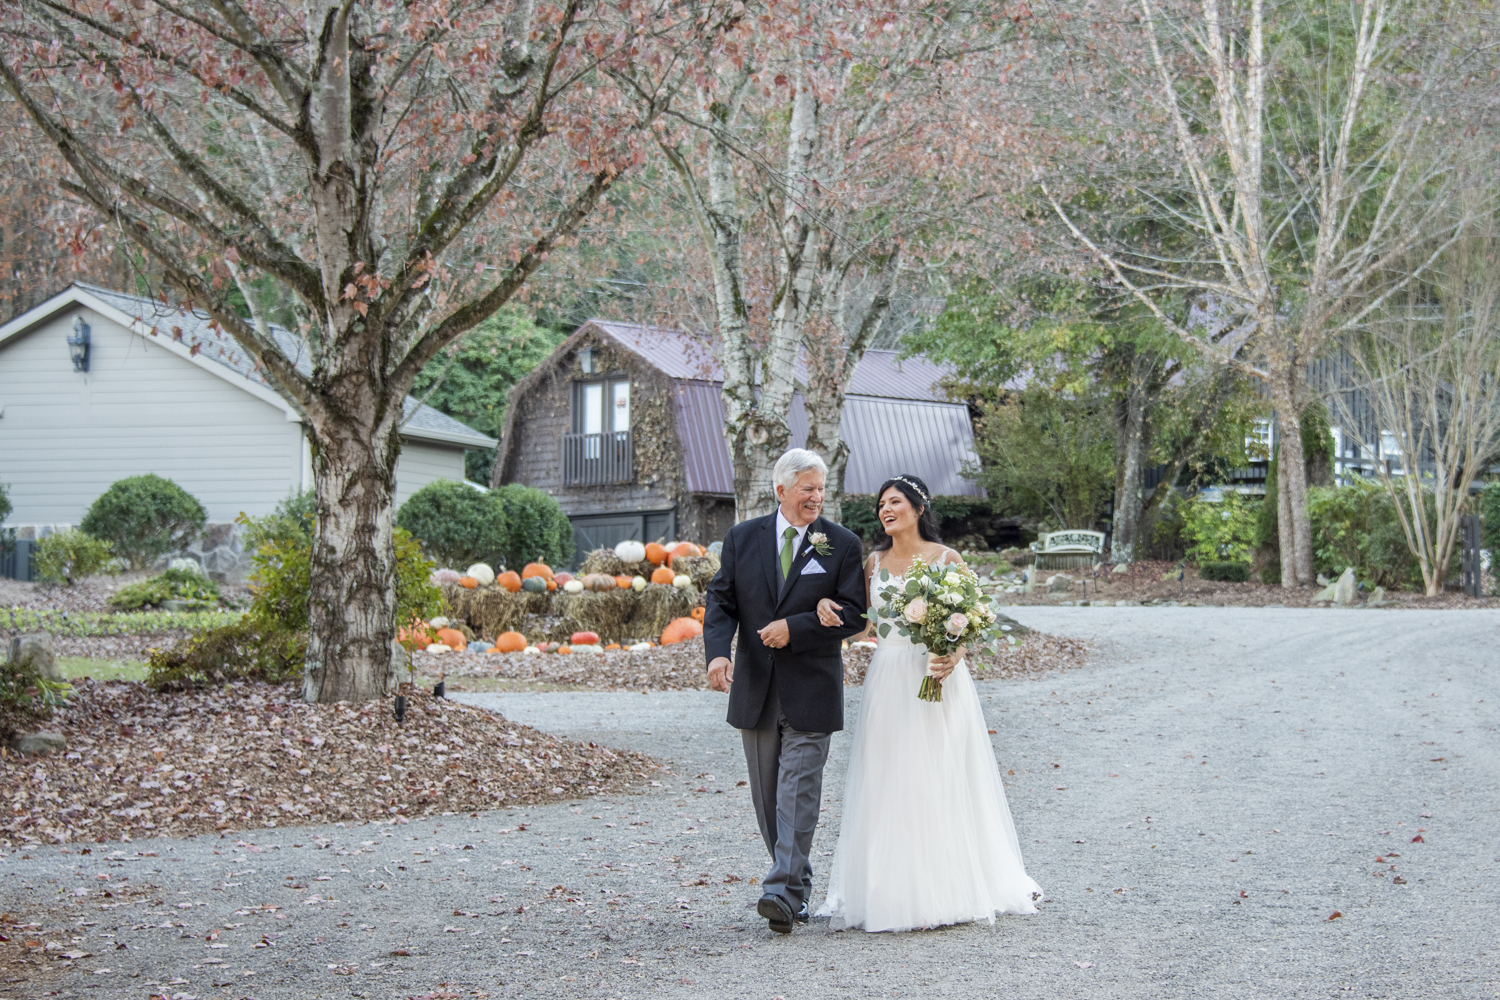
1073,549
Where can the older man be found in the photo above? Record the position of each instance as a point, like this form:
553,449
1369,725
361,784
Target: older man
786,682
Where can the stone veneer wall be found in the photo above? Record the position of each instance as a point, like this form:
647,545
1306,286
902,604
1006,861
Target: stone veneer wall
220,550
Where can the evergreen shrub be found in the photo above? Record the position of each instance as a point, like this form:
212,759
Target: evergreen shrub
145,517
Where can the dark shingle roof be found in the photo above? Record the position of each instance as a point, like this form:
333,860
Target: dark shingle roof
195,328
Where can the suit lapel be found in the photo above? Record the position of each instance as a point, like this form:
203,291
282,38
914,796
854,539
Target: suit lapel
799,560
766,541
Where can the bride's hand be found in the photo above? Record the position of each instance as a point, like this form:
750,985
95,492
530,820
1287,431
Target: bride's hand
828,612
942,666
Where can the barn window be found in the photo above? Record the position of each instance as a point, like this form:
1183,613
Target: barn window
598,449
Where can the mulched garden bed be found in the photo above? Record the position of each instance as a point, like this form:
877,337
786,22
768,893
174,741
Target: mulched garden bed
1143,581
245,756
681,666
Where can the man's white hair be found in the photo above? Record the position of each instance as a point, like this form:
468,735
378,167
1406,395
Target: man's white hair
794,463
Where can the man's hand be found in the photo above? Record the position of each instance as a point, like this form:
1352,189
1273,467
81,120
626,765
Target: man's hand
720,673
776,634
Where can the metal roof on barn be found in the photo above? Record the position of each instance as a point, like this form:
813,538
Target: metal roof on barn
681,355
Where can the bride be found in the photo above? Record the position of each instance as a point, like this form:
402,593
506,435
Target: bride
926,837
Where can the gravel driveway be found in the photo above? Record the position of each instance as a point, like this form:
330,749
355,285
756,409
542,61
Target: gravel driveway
1196,803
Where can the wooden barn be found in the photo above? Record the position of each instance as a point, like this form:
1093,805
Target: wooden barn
624,425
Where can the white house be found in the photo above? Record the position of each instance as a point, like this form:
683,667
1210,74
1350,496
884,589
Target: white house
156,389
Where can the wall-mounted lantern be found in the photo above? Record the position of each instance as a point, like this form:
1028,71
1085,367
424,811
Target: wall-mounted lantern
78,345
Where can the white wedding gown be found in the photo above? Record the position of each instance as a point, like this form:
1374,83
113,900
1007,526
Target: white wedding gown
926,837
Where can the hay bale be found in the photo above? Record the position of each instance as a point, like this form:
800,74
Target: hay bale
492,610
699,569
605,561
657,606
607,612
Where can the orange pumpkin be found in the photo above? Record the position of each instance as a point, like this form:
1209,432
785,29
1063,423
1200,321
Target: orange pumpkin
418,633
656,554
510,642
565,649
551,585
510,580
584,638
698,613
622,581
680,630
613,645
537,569
468,582
663,575
452,638
683,549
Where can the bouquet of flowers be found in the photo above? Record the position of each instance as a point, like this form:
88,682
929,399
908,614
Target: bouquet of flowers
936,606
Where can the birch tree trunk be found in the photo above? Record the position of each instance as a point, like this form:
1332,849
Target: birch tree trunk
1133,437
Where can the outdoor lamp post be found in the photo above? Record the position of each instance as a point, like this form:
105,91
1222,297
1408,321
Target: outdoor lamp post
78,345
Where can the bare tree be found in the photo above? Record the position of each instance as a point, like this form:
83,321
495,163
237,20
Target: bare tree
396,170
1429,368
1282,181
828,150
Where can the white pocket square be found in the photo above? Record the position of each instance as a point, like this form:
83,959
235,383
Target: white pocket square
812,568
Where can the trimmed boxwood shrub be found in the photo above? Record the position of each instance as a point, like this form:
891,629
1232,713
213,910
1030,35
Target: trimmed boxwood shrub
145,517
539,530
510,526
1226,572
456,524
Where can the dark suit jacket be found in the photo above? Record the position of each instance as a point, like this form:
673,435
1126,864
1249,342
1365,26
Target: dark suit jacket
744,596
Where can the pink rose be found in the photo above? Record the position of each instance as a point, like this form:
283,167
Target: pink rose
957,623
916,610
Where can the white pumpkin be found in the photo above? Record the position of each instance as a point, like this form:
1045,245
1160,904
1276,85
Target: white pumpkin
441,621
639,647
531,649
482,573
682,580
439,647
573,587
638,584
630,552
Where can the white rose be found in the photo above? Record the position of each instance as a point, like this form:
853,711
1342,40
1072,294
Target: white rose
916,610
953,579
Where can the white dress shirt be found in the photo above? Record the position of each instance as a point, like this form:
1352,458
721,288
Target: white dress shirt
781,525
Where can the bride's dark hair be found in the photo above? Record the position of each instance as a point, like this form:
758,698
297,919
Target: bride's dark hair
917,494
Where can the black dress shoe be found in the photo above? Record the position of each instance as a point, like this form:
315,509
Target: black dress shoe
777,911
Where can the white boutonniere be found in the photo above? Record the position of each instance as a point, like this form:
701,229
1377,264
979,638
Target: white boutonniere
819,542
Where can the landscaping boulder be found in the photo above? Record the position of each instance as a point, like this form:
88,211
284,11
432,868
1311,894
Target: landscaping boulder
1326,594
34,650
1121,568
1377,598
39,743
1060,583
1344,591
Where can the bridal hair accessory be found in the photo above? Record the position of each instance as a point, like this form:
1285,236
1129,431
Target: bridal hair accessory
908,482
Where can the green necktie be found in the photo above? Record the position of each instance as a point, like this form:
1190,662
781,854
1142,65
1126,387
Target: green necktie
786,552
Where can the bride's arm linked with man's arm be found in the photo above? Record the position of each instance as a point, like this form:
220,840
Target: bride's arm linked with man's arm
795,632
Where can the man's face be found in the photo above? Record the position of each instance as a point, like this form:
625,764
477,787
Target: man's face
802,504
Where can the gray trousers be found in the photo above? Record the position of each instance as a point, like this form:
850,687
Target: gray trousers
786,787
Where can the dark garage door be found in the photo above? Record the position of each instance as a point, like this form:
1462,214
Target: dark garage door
596,531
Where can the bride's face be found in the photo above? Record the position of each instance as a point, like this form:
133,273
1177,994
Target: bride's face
896,513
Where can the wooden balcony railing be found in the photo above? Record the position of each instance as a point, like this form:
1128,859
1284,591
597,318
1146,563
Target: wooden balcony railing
596,459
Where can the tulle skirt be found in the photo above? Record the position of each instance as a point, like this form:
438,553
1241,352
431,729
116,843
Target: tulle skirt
926,837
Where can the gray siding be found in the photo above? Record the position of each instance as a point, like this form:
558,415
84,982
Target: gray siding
65,436
420,463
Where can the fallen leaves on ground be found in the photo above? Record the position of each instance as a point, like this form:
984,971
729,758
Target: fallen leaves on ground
245,756
682,666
